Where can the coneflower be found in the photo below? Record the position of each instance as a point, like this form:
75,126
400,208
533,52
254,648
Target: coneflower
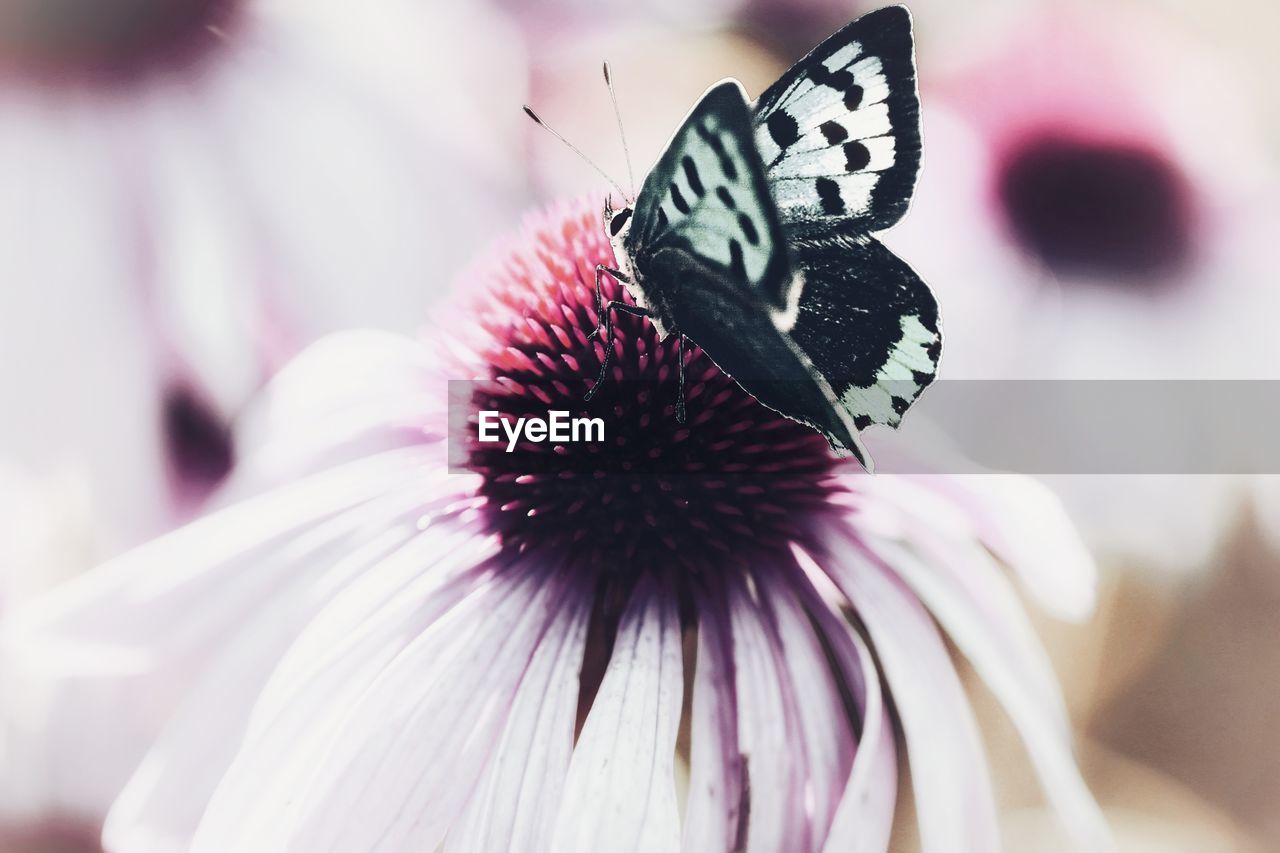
1089,227
708,636
168,240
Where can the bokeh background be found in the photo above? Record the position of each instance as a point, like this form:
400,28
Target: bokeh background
192,190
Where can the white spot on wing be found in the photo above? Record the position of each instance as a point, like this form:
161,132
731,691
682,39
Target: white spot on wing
842,57
896,377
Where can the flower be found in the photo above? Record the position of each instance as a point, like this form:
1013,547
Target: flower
1082,223
195,189
384,654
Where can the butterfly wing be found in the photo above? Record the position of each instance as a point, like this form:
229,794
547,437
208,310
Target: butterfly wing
740,336
840,132
708,196
869,326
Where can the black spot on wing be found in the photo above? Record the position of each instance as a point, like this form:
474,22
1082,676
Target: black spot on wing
934,349
783,128
691,175
748,229
737,264
884,35
677,198
922,379
715,144
662,220
839,80
900,405
834,132
726,198
829,194
862,422
856,156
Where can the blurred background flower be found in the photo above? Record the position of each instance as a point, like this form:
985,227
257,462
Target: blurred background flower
1079,221
195,189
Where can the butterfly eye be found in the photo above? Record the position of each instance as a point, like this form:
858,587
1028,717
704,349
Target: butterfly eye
618,221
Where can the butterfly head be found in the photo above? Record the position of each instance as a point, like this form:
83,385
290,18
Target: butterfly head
617,223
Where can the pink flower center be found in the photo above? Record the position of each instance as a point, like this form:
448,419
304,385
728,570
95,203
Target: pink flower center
735,479
1112,209
108,39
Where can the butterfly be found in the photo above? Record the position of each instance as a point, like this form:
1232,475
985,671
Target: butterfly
752,237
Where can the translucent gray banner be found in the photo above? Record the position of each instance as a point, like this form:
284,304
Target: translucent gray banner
1026,426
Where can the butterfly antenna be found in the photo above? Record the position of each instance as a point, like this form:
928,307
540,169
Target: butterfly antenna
551,130
617,114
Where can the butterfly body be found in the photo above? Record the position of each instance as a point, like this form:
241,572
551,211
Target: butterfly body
752,236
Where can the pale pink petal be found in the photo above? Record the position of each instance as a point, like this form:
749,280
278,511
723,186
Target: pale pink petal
198,260
342,652
1266,501
84,661
78,368
864,817
401,759
1042,547
515,805
822,725
389,116
977,607
620,796
1027,527
766,727
948,768
349,394
163,802
713,809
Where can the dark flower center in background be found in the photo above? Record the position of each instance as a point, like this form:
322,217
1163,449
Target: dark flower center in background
1109,209
108,39
198,443
737,479
50,837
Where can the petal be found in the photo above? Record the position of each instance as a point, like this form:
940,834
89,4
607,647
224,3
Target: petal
864,817
774,767
200,262
977,607
325,672
390,761
1026,526
621,796
515,804
161,806
102,662
349,393
794,729
822,720
713,812
948,768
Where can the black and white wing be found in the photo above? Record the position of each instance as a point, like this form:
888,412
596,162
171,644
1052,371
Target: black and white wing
708,196
840,132
869,325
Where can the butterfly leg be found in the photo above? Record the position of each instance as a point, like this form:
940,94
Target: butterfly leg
601,269
680,394
615,305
